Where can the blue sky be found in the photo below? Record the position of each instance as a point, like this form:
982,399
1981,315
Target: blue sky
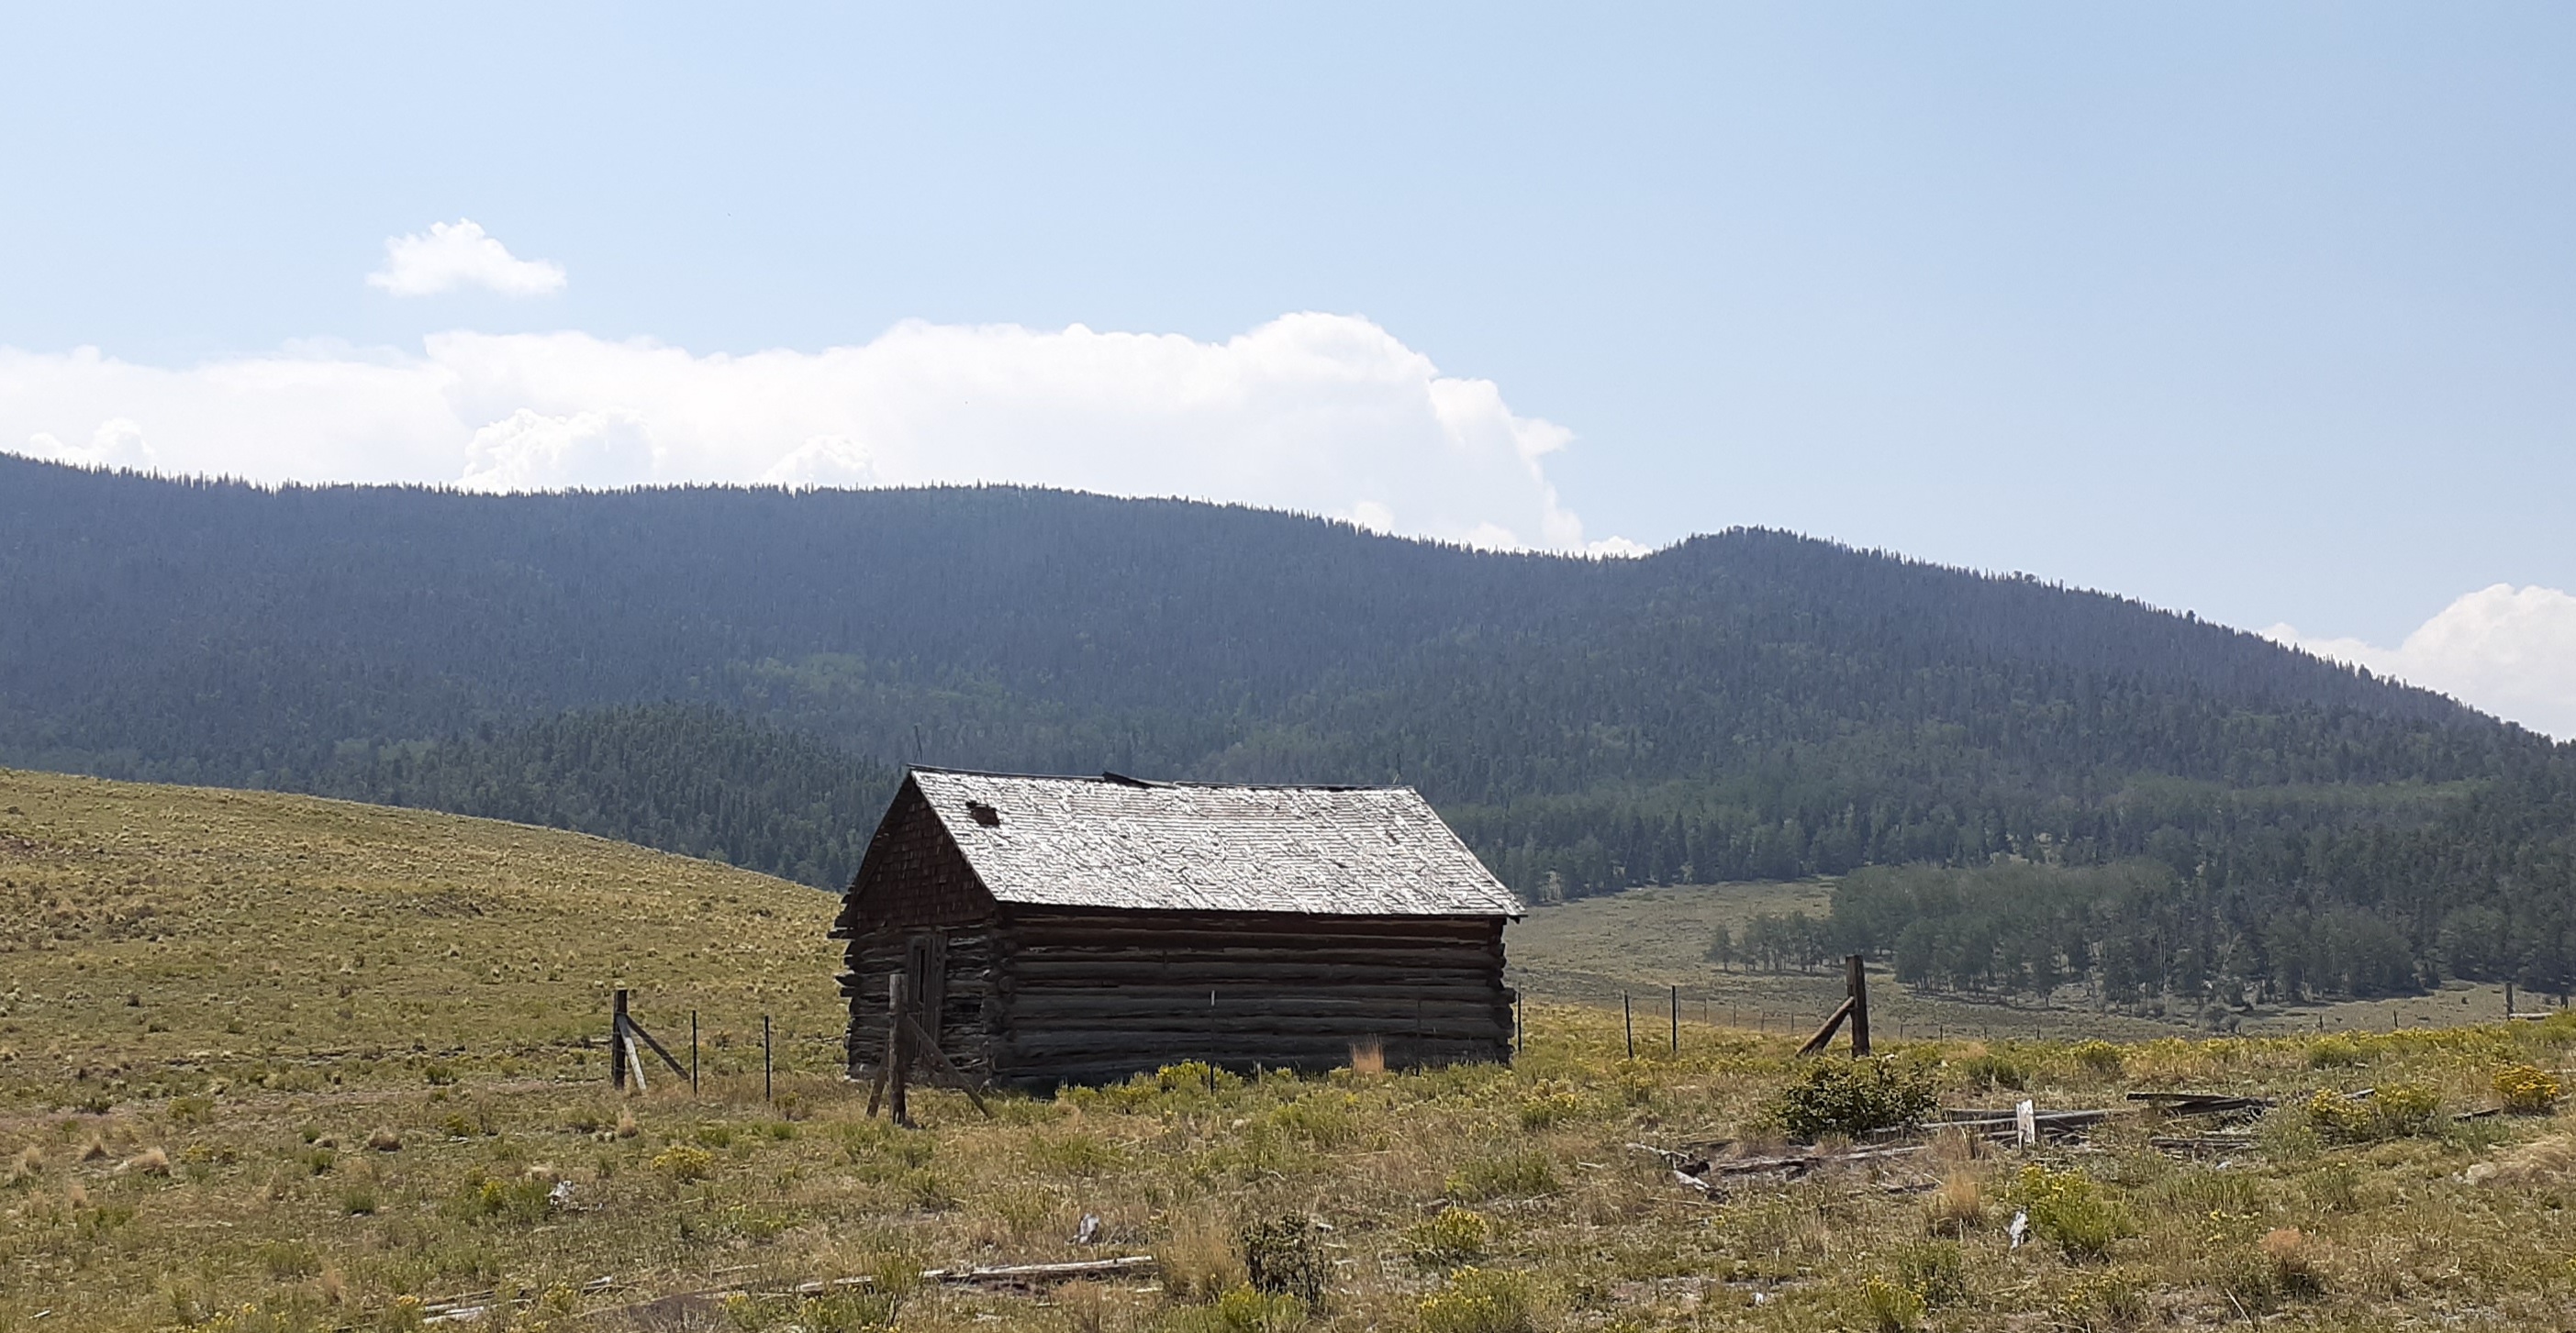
2260,311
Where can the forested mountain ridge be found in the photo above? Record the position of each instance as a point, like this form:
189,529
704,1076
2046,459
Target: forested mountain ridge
1747,703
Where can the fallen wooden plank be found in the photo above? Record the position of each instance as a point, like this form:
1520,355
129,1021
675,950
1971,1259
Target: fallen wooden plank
1005,1273
1800,1163
2204,1143
2179,1104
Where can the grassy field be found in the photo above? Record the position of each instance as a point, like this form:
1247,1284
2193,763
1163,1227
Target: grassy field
1643,942
351,1087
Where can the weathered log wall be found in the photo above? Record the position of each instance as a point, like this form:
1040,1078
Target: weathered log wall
967,1010
1083,996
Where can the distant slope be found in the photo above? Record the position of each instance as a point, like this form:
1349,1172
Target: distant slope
146,925
1746,705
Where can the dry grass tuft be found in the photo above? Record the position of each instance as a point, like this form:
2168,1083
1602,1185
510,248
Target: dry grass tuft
1368,1057
385,1140
2293,1260
1199,1261
30,1164
1959,1205
625,1123
149,1162
1087,1307
95,1150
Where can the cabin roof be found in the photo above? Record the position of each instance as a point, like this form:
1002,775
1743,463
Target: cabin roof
1115,842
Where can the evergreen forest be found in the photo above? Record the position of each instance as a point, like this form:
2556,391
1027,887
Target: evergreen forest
2023,785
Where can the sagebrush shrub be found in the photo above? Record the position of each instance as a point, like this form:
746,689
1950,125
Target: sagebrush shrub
2527,1089
1549,1102
1481,1300
1243,1309
2098,1057
1986,1071
1892,1308
2398,1111
1282,1258
1453,1239
487,1199
2067,1209
684,1162
1852,1097
1937,1271
1517,1175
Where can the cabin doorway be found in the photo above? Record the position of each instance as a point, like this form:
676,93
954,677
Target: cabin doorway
925,979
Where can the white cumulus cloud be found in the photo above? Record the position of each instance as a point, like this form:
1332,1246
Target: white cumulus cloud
1329,414
461,254
2510,651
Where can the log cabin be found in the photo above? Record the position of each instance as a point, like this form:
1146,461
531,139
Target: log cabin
1060,930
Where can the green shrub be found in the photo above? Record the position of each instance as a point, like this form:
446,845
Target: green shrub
2397,1111
1549,1102
2408,1109
1892,1308
1937,1271
1851,1097
2335,1053
2114,1298
1324,1119
1283,1259
1986,1072
1076,1153
1517,1175
1481,1300
1455,1238
2527,1089
2097,1057
685,1162
2067,1209
1242,1310
485,1199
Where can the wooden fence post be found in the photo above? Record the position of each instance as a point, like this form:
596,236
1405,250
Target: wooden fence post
617,1042
693,1052
1628,1020
764,1060
1677,1020
1856,980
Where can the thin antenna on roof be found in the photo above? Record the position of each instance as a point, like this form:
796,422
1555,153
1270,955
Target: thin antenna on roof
916,742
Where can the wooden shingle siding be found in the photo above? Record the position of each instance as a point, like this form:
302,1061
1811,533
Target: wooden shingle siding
913,874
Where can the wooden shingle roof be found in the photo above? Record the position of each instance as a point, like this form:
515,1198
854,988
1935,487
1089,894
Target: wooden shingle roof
1110,842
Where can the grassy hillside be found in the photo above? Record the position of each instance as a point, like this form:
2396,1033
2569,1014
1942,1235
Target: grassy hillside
154,937
375,1144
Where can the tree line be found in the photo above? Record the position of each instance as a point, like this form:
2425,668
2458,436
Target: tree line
741,672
